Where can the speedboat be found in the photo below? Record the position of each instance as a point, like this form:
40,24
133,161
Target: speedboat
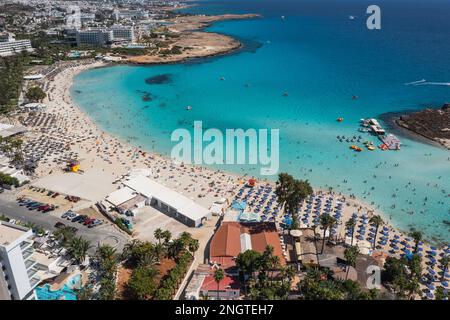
189,108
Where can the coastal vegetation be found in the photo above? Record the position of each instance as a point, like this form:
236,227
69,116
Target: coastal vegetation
402,275
35,94
12,147
290,193
107,260
263,276
6,179
327,222
11,69
151,278
319,284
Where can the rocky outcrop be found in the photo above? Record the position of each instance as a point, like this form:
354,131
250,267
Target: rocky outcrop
433,124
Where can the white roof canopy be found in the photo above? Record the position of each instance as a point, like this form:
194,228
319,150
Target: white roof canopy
120,196
152,189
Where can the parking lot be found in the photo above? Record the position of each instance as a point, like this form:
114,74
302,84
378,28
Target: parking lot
103,234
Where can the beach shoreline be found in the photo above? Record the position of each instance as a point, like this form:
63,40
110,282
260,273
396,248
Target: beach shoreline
353,204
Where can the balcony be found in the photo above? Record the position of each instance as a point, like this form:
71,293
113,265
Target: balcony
34,282
27,253
32,272
30,263
26,245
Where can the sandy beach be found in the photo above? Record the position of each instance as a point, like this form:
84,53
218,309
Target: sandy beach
105,159
101,152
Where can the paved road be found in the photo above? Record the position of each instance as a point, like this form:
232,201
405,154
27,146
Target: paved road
106,233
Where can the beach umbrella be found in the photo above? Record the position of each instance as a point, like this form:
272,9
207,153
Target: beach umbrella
431,271
430,295
433,248
444,284
430,286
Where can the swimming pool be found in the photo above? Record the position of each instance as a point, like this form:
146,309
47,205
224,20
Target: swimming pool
67,292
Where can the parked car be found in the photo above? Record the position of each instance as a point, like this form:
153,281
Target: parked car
43,207
95,223
23,202
55,195
72,215
50,208
88,221
83,218
35,205
66,214
78,218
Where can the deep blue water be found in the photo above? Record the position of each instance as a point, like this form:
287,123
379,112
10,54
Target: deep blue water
322,58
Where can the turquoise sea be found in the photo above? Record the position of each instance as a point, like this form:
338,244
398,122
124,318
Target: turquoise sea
321,58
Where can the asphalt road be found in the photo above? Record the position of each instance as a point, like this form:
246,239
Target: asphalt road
105,233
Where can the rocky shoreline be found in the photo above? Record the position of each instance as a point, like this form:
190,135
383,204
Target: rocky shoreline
192,42
432,124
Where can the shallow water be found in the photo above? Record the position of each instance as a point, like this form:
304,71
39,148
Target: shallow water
321,58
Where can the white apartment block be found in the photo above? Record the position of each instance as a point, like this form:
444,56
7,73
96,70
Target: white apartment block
130,14
123,33
18,272
12,46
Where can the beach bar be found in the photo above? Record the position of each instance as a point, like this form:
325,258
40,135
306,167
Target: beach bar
169,201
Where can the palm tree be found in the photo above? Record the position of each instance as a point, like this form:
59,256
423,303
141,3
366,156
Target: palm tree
377,222
351,254
158,235
106,257
284,187
185,238
175,248
167,235
158,251
193,246
218,276
78,248
130,248
64,234
327,222
350,225
291,193
105,252
445,260
417,236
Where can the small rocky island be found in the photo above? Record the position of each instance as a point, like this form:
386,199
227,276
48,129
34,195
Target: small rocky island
433,124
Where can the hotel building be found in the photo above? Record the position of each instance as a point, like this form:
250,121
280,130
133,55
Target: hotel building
18,272
94,37
123,33
10,46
